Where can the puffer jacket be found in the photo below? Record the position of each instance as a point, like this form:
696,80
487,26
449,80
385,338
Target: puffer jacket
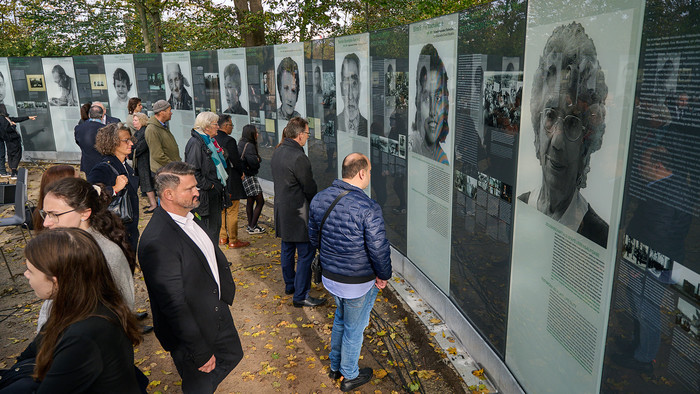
354,248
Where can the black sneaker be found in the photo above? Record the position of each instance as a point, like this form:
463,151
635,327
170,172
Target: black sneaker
335,375
14,174
352,384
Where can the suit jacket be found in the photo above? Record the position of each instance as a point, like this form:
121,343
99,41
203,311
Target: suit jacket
294,189
185,100
361,127
85,134
111,119
184,296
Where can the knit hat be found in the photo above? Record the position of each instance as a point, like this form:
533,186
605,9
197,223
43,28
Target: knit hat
160,105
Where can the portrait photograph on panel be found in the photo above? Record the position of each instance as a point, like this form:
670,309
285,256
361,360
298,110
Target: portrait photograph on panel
288,86
566,114
177,85
429,127
7,96
234,95
352,100
61,87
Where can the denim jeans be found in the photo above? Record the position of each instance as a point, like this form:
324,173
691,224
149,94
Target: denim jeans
351,319
299,279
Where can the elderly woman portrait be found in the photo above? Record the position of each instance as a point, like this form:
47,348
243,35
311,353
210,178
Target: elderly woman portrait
568,117
179,97
209,160
430,128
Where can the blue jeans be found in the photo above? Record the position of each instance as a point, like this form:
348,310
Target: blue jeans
299,279
351,319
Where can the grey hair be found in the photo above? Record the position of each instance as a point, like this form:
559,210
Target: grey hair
204,119
570,50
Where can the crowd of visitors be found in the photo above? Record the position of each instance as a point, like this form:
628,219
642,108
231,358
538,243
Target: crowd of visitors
83,259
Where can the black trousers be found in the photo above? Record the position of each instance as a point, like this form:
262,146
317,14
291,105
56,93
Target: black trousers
14,150
228,353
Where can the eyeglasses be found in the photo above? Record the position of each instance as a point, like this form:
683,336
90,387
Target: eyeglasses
572,125
53,216
132,139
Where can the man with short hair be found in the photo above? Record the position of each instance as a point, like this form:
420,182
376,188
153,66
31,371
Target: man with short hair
106,119
161,142
179,97
189,284
234,186
294,189
351,120
85,135
356,263
232,87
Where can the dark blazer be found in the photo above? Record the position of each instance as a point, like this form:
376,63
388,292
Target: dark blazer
111,119
184,296
234,185
92,356
361,127
102,173
210,187
85,134
294,189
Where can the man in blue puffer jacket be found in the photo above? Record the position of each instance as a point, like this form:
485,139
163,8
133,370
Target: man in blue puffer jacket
356,263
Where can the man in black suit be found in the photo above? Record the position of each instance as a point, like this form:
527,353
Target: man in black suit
85,134
106,119
189,284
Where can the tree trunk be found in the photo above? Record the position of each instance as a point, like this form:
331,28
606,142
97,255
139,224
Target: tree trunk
157,37
141,11
250,21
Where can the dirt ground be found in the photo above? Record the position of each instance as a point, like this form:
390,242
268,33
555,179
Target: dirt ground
286,348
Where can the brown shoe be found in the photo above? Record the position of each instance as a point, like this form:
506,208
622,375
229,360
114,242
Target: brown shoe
238,244
223,241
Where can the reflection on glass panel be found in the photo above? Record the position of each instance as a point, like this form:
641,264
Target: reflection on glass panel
261,95
489,90
320,110
653,342
205,82
389,128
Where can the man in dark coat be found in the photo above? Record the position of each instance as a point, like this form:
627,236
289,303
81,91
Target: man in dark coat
190,285
85,134
234,191
294,189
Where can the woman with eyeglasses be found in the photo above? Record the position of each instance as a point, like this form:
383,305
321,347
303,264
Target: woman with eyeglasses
209,160
51,174
115,142
74,202
87,343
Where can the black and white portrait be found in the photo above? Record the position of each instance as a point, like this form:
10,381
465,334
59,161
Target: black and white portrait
350,119
288,86
568,116
177,84
62,89
233,90
430,127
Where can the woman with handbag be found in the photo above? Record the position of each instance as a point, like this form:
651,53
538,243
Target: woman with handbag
115,142
248,149
87,343
209,160
142,160
74,202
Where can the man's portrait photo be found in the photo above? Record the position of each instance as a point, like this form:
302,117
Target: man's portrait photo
288,87
350,120
64,91
177,83
430,127
232,90
568,115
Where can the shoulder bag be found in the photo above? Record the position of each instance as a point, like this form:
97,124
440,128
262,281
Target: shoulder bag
316,270
121,203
